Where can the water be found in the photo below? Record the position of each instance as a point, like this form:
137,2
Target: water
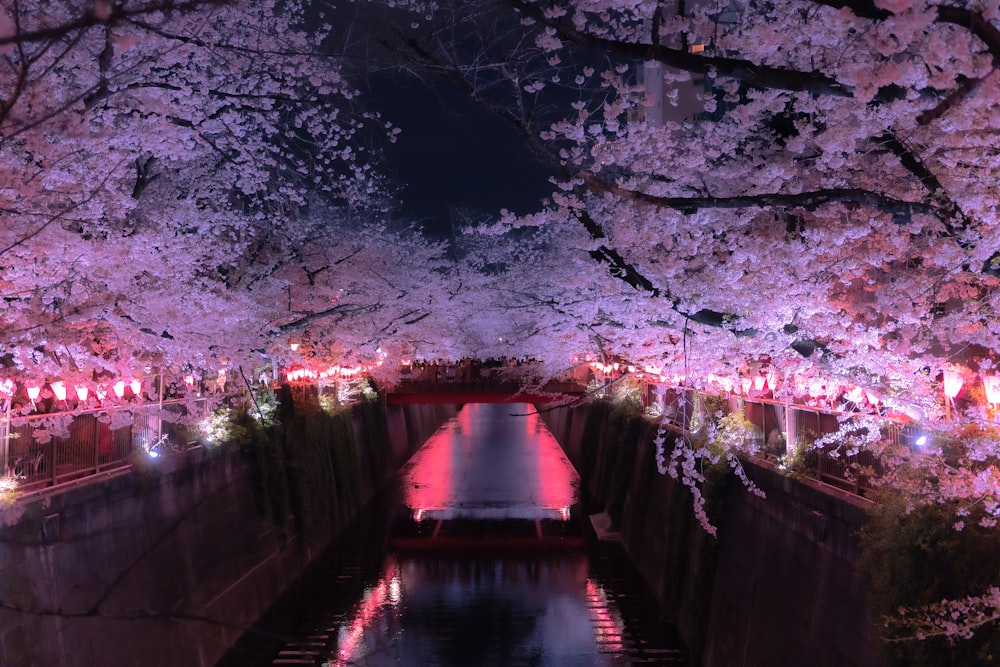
484,564
494,461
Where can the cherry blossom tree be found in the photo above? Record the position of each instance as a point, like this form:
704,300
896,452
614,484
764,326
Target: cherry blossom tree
828,210
156,162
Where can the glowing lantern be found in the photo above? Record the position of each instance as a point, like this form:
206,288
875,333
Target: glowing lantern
992,385
136,386
952,383
745,384
772,381
294,345
33,392
59,389
189,380
119,388
7,388
758,382
82,393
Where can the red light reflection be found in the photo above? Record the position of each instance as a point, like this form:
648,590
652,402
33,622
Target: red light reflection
609,630
556,479
371,609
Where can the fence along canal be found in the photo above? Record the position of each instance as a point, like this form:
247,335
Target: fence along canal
47,449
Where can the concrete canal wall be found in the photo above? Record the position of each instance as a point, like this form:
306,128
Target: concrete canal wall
778,586
169,564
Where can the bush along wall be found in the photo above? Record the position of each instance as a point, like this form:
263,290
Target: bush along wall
312,468
913,558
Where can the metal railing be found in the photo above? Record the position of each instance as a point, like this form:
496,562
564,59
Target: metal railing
836,465
48,449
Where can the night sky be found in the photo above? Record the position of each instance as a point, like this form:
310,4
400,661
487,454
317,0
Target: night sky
453,154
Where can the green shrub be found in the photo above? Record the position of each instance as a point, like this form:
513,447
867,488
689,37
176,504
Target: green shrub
917,558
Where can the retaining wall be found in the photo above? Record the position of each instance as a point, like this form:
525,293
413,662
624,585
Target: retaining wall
778,586
169,565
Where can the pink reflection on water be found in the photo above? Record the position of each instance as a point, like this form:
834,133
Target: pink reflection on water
609,629
428,486
421,609
371,610
487,465
556,477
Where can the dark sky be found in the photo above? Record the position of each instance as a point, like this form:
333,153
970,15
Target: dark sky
452,153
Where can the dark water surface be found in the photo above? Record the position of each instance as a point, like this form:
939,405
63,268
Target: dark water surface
478,558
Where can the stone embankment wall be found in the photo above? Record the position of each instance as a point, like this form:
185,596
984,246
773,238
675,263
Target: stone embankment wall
778,586
169,564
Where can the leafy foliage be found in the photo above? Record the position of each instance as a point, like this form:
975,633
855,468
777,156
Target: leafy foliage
915,562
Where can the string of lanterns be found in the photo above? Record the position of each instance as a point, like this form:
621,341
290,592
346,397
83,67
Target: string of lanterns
60,390
953,380
952,383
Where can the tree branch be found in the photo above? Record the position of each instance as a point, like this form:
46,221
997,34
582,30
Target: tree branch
947,209
118,12
808,200
341,311
741,70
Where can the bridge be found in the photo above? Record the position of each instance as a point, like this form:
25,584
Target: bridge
485,391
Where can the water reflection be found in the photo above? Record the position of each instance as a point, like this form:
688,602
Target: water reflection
486,568
494,461
458,613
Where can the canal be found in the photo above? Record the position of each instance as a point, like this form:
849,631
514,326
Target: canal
481,554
